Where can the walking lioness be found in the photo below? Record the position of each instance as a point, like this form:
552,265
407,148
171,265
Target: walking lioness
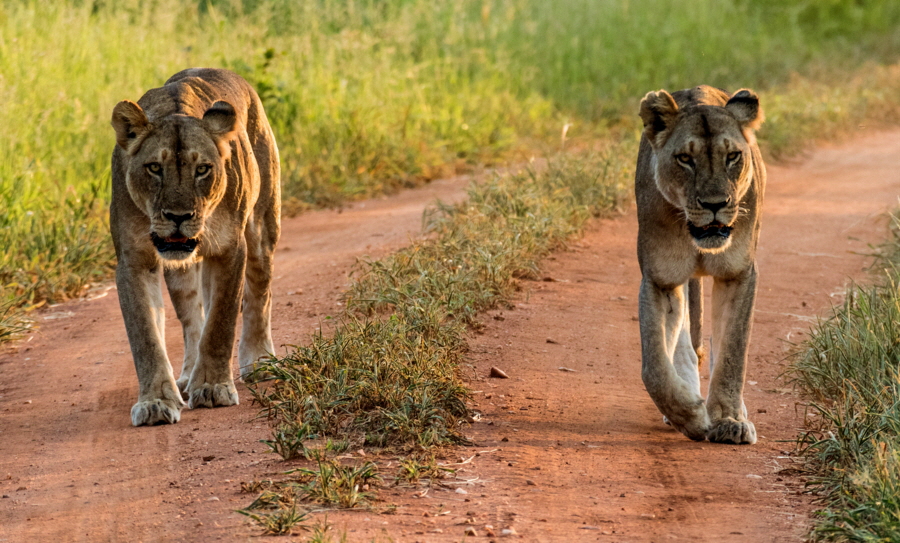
699,186
196,199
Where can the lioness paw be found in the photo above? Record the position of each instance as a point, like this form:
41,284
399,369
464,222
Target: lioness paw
729,430
213,395
152,412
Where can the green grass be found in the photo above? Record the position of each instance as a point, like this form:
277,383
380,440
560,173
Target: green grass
390,374
850,371
370,96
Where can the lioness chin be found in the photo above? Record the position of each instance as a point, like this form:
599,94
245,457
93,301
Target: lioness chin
699,189
196,200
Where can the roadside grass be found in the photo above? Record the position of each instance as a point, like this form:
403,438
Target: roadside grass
367,96
390,375
849,369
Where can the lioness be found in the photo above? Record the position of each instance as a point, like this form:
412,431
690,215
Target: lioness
196,198
699,186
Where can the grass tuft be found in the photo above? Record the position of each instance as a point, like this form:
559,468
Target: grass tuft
849,369
389,376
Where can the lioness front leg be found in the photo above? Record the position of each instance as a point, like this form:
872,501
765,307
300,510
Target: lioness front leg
211,383
140,297
662,318
732,315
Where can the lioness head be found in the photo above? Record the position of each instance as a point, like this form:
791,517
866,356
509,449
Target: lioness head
703,162
175,171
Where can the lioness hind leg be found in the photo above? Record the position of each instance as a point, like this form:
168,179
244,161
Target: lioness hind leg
685,356
732,316
184,290
256,331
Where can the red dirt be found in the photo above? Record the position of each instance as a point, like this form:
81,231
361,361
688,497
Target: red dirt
561,455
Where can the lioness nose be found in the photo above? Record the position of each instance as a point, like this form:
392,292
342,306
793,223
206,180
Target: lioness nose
713,206
178,219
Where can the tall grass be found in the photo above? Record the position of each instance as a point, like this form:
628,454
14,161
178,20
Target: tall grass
389,375
367,96
850,371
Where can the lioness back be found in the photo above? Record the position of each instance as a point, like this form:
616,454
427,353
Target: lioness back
195,198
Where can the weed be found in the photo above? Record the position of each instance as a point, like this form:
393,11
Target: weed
414,469
279,522
288,440
333,483
849,369
320,533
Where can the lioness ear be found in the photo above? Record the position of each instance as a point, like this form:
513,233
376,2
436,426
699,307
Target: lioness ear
129,122
220,119
659,112
744,106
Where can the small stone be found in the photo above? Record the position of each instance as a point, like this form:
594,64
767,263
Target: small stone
6,495
489,531
436,531
509,531
648,516
471,532
529,482
460,491
209,458
553,341
761,410
212,499
753,476
498,373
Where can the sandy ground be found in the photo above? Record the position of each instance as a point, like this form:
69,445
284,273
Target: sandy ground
570,448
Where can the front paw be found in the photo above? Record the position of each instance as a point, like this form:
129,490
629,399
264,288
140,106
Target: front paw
212,395
693,423
729,430
156,411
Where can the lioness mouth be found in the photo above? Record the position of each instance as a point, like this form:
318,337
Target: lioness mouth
709,231
173,243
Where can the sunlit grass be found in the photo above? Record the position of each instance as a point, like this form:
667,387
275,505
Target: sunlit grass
849,369
367,97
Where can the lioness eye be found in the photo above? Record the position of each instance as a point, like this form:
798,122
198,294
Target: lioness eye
203,169
154,168
733,156
684,158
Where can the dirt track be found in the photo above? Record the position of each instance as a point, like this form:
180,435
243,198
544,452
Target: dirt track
561,455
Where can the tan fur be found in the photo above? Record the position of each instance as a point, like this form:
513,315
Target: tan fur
194,161
698,163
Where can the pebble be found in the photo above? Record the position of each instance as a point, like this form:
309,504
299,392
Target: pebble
509,531
498,373
460,491
471,532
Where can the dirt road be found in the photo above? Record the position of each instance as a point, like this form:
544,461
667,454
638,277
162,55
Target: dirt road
570,448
